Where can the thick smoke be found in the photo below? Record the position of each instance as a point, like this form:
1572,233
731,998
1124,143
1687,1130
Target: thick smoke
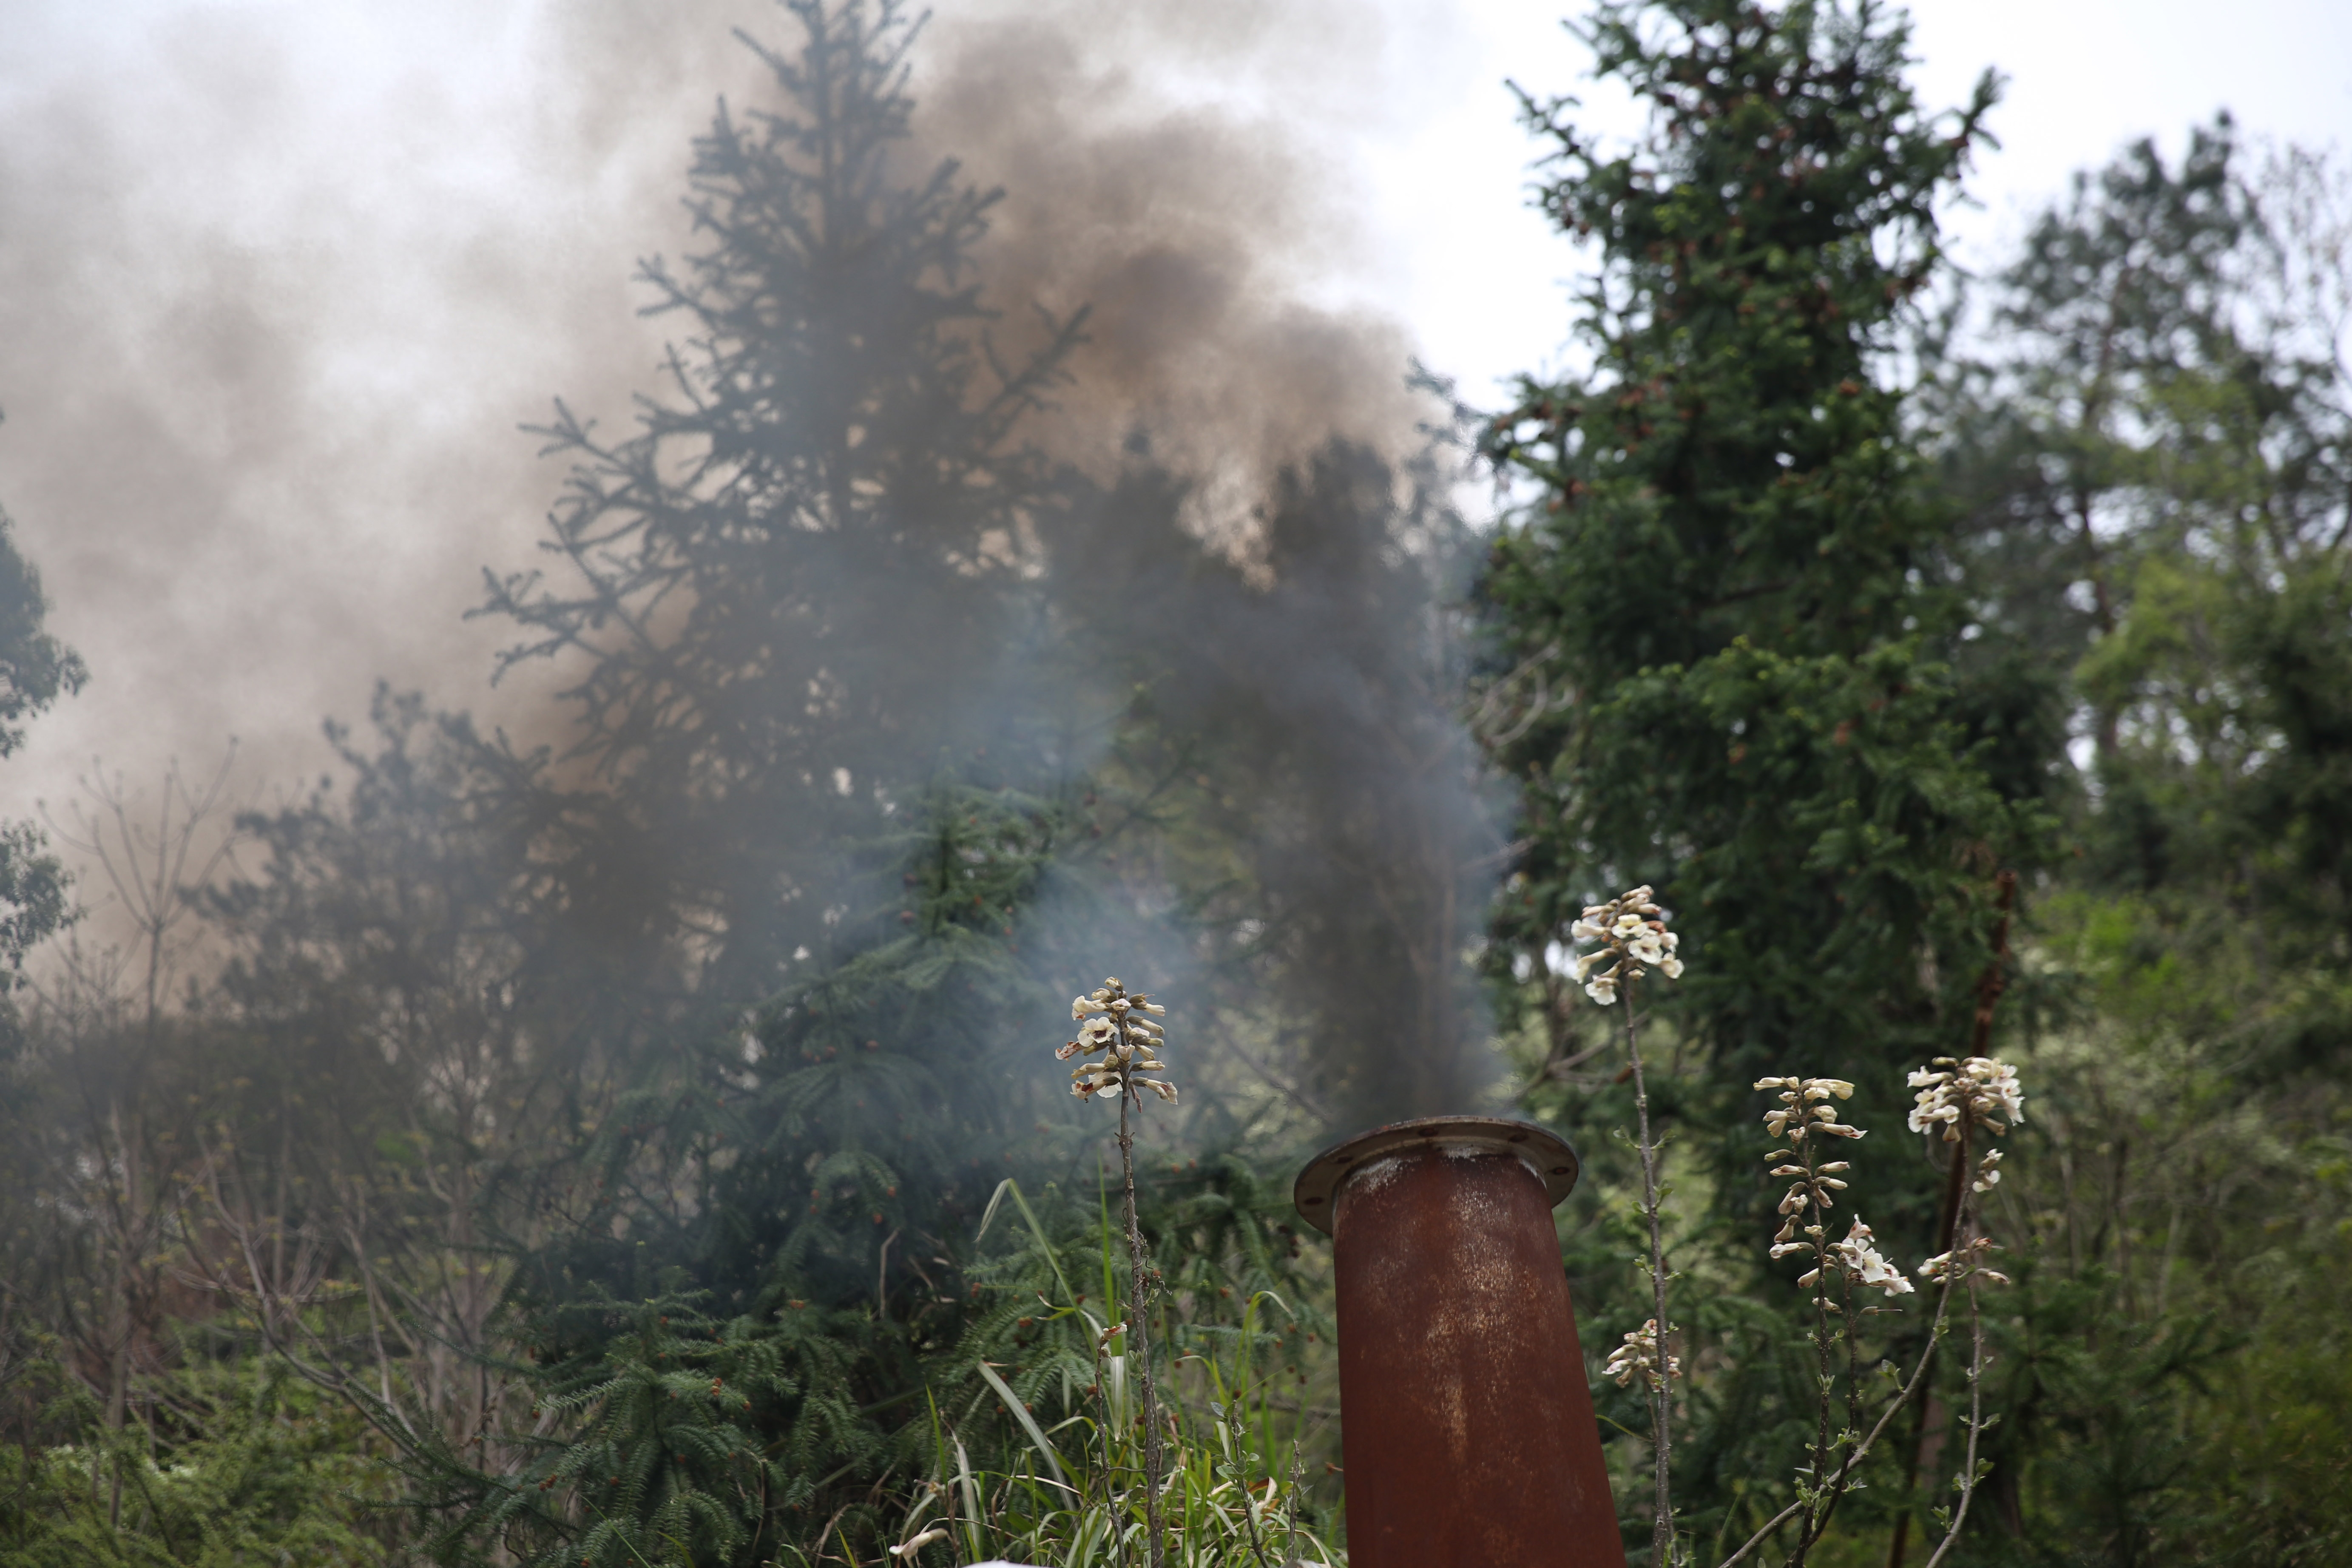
1193,236
279,286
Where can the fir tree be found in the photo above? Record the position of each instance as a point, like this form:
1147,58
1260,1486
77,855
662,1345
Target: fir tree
815,803
1724,639
792,589
1719,636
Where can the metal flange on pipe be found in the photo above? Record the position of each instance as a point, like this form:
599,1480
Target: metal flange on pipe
1465,1421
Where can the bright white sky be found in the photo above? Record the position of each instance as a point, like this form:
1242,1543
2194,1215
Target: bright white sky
2084,79
277,278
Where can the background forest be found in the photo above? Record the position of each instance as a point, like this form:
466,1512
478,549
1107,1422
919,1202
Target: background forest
634,1137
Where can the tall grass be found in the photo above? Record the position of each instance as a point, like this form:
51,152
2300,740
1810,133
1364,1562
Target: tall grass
1072,1493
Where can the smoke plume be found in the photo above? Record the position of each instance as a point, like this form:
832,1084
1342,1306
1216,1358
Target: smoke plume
278,285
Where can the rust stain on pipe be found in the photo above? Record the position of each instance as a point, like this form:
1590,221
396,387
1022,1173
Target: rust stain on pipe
1465,1421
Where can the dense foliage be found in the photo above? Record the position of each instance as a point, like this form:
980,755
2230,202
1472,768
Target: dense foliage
648,1148
1815,587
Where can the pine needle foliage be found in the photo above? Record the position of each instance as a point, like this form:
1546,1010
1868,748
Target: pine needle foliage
755,595
781,1210
1721,633
793,1242
1726,657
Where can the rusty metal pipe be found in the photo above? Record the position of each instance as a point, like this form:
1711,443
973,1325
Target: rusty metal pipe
1465,1422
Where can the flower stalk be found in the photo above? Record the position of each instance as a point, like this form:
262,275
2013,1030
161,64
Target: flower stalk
1804,1115
1118,1040
1633,941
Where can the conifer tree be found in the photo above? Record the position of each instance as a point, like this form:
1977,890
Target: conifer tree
789,591
811,806
1724,637
1719,637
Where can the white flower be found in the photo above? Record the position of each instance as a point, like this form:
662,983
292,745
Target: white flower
1924,1118
1633,943
1128,1042
1981,1091
1638,1357
1863,1263
1996,1090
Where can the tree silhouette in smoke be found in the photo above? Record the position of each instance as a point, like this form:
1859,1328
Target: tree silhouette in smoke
35,669
778,591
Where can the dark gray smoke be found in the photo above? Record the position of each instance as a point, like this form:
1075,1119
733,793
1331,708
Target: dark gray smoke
278,288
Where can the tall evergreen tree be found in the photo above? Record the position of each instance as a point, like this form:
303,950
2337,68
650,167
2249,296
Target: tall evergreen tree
1720,637
814,806
1727,649
795,587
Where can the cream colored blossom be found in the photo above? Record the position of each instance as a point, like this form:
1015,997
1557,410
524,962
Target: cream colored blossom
1638,1357
915,1543
1119,1030
1804,1107
1865,1265
1800,1112
1633,941
1980,1090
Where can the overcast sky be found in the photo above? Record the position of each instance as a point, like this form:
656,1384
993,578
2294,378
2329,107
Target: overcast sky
279,279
